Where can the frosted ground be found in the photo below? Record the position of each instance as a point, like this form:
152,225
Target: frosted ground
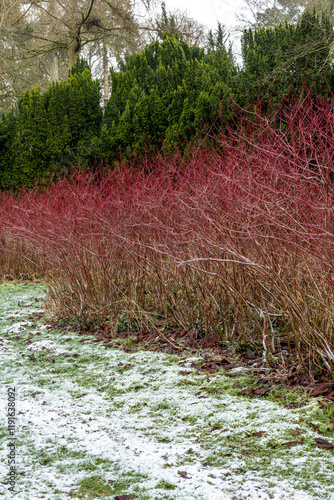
97,423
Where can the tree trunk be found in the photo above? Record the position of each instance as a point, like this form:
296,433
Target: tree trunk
105,72
72,34
54,75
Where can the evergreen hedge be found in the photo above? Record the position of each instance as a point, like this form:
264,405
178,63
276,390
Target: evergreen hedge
167,93
279,61
164,94
50,131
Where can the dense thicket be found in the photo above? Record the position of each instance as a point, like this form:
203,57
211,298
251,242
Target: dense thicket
166,94
239,245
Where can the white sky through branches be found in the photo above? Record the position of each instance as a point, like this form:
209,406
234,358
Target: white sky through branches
209,12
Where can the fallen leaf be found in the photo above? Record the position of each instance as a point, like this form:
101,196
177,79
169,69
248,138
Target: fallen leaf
323,444
35,393
313,426
196,366
292,443
235,385
246,391
261,392
229,366
256,434
183,474
123,497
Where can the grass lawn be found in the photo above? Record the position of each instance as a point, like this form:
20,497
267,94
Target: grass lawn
95,422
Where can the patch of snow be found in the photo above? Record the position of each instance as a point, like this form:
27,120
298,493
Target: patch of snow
19,327
300,460
113,437
47,345
239,369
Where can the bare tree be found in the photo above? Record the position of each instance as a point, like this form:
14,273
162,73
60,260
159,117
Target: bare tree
41,39
270,13
18,69
178,22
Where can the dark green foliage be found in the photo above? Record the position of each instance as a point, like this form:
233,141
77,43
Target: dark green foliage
30,153
7,138
79,67
171,93
286,57
166,93
52,131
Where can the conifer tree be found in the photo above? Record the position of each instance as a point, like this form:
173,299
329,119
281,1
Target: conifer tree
30,154
7,138
166,93
51,131
288,55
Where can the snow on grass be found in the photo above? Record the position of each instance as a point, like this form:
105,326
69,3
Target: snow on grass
19,327
95,422
47,345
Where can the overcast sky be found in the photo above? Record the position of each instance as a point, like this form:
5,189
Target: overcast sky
208,12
